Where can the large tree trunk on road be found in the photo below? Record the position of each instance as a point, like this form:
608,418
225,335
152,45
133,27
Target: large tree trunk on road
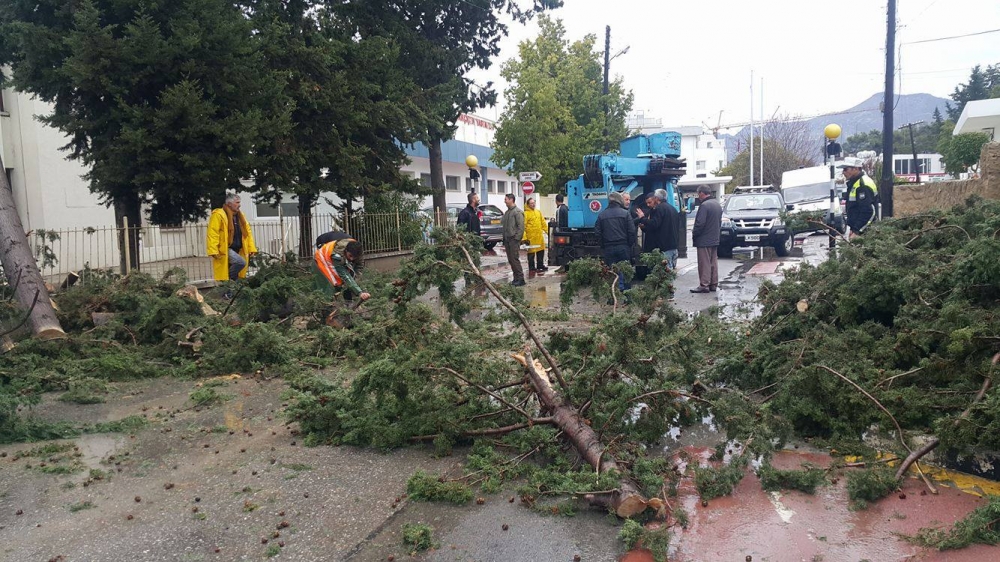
20,268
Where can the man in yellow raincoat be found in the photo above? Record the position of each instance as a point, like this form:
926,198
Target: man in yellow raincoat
229,241
534,228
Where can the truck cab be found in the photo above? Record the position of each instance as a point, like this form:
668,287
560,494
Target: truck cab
751,217
807,190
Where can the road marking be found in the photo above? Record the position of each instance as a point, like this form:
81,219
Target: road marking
783,512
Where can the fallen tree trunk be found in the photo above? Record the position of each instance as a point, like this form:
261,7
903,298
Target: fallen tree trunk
627,500
18,263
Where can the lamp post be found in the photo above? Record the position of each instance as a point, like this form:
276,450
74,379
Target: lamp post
832,133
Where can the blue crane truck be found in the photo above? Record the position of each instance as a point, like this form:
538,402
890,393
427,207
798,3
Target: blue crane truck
644,164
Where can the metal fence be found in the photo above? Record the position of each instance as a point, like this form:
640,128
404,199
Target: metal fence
96,250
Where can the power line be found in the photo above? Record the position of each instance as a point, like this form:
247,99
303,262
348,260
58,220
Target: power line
953,37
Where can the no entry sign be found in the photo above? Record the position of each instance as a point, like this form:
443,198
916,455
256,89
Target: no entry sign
528,188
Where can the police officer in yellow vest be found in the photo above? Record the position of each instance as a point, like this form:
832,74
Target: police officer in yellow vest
862,196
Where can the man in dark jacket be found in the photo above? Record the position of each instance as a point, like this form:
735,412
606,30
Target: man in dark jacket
469,216
705,235
862,196
660,226
513,233
616,233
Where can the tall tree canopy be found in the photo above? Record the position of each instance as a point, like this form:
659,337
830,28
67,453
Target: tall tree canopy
440,41
555,107
351,106
161,99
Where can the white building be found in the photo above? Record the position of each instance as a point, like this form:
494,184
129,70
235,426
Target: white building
473,137
929,165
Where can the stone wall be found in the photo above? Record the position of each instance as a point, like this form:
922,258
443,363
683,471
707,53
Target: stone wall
915,199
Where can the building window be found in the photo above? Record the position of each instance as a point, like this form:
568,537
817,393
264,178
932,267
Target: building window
710,145
451,183
905,167
469,188
491,186
720,165
266,211
425,180
699,165
501,186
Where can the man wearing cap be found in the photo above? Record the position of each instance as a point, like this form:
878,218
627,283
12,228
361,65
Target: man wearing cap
862,196
705,236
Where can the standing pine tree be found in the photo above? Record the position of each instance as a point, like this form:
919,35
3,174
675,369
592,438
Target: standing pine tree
440,41
350,104
977,88
161,99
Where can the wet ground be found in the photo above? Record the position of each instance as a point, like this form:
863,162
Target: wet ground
232,482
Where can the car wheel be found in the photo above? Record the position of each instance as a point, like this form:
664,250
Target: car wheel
725,252
785,247
490,245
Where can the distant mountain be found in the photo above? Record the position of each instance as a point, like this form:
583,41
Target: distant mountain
867,116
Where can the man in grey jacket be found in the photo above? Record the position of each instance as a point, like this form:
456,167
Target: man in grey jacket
705,236
513,232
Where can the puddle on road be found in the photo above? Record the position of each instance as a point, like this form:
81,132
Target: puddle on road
96,447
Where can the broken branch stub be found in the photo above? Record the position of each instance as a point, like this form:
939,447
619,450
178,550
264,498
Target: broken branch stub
627,500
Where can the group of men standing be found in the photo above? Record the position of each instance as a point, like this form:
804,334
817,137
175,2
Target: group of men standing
520,227
617,229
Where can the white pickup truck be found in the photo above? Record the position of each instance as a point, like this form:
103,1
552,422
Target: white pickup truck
807,190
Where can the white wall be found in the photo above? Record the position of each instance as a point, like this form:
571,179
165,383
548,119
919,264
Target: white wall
49,190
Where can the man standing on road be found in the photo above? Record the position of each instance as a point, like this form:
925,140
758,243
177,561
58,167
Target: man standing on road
562,212
469,217
616,233
229,241
862,196
660,227
671,229
513,232
705,235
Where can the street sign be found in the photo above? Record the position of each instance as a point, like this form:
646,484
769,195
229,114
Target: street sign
529,176
528,188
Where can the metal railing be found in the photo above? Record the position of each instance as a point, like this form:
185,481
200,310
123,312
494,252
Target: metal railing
96,250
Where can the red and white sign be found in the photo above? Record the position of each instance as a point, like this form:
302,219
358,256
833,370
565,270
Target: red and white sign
528,188
595,206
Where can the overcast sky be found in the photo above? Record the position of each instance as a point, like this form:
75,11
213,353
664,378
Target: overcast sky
687,60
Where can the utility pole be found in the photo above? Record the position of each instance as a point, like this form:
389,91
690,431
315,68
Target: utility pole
913,147
885,189
607,66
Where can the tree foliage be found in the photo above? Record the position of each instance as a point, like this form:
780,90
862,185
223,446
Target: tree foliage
440,42
350,104
555,107
982,84
161,100
960,153
777,160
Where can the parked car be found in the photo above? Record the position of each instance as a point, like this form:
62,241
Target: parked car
489,222
752,217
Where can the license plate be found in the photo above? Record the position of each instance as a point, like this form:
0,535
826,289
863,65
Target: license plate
495,221
752,237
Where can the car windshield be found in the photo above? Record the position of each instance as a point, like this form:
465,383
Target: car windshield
804,193
491,210
755,202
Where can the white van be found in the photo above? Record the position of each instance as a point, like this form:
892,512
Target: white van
807,190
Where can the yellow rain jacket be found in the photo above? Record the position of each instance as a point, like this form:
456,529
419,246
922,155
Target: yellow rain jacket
217,243
534,230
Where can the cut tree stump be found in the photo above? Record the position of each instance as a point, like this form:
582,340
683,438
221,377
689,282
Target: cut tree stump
21,270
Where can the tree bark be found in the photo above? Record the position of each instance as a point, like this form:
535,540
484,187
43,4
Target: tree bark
21,270
128,207
627,500
306,236
437,182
